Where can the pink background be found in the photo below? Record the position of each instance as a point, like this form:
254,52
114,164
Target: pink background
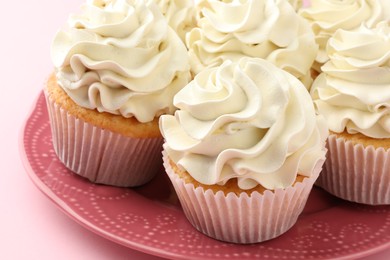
31,227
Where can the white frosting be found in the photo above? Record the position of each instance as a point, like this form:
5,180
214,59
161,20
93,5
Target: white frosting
121,57
385,9
296,4
326,16
247,120
353,92
180,15
268,29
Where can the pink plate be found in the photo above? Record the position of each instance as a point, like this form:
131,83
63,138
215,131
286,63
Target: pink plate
150,219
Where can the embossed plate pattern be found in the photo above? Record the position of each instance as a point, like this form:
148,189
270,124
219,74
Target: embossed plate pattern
150,219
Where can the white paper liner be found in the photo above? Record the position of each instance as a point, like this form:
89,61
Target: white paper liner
242,219
100,155
356,173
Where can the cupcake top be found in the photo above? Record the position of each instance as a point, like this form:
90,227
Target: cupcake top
180,15
247,120
326,16
121,57
268,29
353,92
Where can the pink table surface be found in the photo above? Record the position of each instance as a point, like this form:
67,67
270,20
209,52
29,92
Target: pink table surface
31,227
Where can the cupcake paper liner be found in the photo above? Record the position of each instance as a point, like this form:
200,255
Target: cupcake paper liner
241,219
356,173
100,155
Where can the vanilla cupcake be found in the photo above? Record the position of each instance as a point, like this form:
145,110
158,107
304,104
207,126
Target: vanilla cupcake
243,150
117,67
327,16
180,15
271,30
353,94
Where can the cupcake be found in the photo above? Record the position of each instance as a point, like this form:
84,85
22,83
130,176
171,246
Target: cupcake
270,30
243,150
180,15
327,16
117,67
353,94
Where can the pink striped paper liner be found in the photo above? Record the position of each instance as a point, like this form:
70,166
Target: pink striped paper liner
242,219
100,155
356,173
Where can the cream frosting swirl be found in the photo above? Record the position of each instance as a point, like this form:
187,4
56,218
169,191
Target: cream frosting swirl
272,30
247,120
297,4
180,15
326,16
121,57
353,92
